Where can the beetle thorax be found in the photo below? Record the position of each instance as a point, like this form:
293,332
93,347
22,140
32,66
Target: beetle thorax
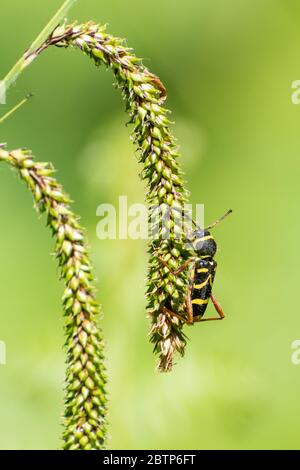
204,244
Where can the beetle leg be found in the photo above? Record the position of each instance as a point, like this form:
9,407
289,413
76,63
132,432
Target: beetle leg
190,317
180,269
217,306
218,309
173,314
189,306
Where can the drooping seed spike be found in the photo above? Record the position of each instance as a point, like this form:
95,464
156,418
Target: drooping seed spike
84,345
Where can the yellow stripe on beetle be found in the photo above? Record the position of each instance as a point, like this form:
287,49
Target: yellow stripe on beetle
202,270
202,239
199,286
200,301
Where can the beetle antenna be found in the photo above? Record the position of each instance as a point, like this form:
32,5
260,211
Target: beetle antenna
219,220
15,108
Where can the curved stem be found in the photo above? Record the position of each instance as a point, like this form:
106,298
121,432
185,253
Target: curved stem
30,55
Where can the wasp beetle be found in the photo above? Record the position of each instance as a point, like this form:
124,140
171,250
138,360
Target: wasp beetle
202,275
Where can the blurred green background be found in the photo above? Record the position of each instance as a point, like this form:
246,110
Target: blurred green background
228,67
